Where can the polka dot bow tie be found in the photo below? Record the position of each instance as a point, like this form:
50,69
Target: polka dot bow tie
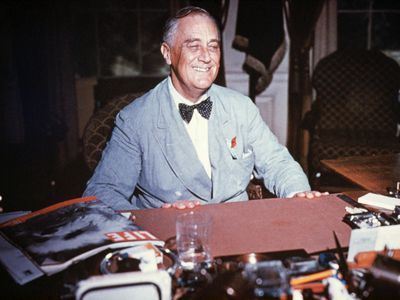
204,108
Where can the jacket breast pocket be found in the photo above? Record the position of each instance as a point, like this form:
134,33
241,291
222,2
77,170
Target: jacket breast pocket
245,166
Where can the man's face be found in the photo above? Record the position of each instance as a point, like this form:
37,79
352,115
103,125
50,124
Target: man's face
194,55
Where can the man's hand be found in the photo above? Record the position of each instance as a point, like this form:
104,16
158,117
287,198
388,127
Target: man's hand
310,194
182,204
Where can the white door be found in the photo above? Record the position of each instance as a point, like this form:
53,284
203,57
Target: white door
273,102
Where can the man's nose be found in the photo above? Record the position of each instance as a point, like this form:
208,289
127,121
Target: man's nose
204,55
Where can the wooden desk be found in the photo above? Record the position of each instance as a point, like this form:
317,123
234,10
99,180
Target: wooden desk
262,225
372,173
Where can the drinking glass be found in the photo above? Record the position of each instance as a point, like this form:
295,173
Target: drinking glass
193,230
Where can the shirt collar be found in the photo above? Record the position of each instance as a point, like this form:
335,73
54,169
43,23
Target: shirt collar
178,98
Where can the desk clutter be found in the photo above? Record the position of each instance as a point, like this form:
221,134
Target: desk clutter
49,240
368,269
277,275
117,259
372,219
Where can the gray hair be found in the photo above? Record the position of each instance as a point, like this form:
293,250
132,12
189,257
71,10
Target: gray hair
170,27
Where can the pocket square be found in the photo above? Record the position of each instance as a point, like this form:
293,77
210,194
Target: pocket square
232,146
233,142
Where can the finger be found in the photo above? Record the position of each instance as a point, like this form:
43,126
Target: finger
190,204
179,205
166,205
132,217
301,194
310,195
317,194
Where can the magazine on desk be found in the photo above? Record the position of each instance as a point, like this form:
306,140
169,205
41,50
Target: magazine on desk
49,240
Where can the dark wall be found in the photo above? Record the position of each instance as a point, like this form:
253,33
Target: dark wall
39,137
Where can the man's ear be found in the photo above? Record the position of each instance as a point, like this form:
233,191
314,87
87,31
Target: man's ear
166,53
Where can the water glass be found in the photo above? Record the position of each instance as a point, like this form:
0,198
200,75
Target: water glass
193,231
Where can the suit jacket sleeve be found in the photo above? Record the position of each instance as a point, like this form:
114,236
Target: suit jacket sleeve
281,174
116,175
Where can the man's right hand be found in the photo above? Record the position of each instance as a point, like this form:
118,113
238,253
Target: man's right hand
182,204
311,194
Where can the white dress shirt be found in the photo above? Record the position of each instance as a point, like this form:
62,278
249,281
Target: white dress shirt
197,128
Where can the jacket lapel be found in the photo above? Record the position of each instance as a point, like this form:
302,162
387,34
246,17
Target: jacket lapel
177,147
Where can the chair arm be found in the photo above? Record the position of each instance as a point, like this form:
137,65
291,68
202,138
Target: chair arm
309,121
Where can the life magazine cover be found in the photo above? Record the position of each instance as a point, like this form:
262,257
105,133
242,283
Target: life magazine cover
49,240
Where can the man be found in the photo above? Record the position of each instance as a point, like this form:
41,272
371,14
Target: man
164,154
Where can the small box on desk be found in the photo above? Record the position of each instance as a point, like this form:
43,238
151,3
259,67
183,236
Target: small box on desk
130,285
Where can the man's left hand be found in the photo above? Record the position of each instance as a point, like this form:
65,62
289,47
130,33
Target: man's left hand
311,194
182,204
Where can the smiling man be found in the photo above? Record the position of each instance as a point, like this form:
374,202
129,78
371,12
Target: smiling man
188,141
193,53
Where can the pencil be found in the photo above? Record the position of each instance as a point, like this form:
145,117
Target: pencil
312,277
316,287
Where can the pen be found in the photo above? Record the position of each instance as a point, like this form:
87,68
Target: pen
316,287
312,277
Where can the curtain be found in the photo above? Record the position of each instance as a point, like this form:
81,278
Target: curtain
11,112
262,39
325,37
61,91
39,110
301,17
43,65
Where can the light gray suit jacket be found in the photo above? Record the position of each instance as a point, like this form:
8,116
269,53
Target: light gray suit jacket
150,158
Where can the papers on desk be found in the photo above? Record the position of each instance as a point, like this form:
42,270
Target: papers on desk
373,239
4,217
49,240
20,267
378,200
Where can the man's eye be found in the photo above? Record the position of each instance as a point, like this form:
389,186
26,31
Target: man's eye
193,47
213,48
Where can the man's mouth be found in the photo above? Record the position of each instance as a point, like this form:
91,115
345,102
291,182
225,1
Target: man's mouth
202,69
